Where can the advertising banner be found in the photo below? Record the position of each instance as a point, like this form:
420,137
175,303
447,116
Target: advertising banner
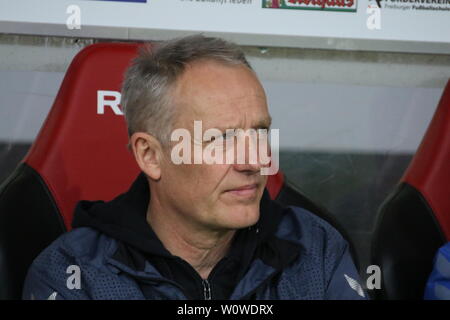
383,25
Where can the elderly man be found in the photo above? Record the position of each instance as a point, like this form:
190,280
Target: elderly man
194,230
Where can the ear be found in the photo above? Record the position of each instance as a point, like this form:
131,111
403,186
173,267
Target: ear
147,151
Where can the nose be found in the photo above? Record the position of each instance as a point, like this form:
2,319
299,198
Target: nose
247,157
248,168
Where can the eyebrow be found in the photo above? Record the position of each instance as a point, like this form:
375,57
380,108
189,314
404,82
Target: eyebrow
261,124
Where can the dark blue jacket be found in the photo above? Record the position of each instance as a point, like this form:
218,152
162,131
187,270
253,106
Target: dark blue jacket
300,256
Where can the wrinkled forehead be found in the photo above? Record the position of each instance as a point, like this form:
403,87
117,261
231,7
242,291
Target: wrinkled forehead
220,96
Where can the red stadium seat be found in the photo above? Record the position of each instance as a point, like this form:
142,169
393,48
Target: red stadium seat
415,219
80,153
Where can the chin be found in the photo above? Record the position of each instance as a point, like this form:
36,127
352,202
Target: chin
243,217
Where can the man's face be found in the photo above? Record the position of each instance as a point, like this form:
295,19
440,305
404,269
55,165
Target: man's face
216,196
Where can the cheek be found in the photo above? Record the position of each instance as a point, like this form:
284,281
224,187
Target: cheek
176,179
264,181
200,182
209,179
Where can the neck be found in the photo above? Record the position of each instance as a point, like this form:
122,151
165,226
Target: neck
200,247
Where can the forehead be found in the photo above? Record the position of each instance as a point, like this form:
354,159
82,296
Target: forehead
220,95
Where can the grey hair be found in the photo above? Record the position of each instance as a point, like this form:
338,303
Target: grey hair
146,99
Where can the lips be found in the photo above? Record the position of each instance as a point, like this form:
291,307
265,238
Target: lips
248,190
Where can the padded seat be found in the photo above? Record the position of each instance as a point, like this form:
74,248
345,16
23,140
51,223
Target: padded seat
414,221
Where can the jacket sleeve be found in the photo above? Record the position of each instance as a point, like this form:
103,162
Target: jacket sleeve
345,282
48,278
38,288
438,285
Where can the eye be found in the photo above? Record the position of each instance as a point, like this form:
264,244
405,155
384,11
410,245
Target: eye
230,134
215,138
220,139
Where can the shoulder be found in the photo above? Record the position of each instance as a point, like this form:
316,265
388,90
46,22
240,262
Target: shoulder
321,246
324,267
80,249
307,229
78,244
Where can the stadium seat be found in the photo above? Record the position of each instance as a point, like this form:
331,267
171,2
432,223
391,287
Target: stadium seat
414,221
80,153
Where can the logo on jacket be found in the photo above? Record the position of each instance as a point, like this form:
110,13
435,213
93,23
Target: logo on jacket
50,297
354,285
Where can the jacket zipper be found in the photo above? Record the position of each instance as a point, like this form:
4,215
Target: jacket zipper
206,289
150,280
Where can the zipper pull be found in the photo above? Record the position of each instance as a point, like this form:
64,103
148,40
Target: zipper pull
206,289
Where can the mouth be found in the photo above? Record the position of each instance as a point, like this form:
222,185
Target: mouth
246,191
